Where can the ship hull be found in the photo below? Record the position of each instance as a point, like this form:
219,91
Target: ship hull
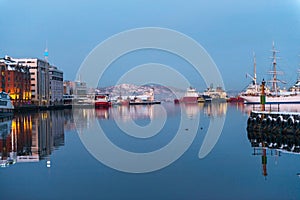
273,99
189,100
102,104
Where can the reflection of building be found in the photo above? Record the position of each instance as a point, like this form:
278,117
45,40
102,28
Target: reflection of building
32,137
15,79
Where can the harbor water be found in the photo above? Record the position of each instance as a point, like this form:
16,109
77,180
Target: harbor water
44,156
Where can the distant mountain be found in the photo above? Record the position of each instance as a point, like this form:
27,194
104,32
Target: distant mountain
161,93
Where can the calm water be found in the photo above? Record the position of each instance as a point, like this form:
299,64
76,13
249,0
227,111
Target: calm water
48,160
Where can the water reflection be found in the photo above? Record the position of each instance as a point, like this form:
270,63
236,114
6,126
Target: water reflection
266,144
145,112
31,137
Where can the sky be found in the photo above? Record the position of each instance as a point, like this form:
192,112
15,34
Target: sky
230,31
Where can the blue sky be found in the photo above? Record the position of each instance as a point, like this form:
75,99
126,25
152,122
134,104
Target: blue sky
229,30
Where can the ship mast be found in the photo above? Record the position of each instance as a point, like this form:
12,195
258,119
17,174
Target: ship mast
274,72
254,65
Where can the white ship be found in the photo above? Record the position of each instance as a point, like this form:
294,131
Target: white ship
214,94
6,106
274,95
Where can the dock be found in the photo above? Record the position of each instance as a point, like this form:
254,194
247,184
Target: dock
144,102
27,108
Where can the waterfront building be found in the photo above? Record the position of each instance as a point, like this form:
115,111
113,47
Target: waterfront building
39,72
56,86
46,81
80,89
15,80
69,87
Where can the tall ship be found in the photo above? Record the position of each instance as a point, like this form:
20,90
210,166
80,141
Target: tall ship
274,95
6,107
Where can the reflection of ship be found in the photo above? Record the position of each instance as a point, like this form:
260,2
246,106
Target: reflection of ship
5,130
6,106
191,96
274,94
192,110
215,109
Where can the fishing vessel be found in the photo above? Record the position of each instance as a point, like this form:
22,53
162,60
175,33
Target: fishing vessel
191,96
6,107
274,95
102,100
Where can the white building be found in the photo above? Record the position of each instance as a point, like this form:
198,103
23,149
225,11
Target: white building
56,86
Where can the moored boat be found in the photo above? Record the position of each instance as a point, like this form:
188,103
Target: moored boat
191,96
274,95
236,99
214,95
6,106
102,100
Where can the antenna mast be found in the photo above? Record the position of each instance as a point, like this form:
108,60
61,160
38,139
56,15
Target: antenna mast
46,53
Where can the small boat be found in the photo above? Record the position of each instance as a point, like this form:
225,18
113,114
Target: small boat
6,107
102,101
